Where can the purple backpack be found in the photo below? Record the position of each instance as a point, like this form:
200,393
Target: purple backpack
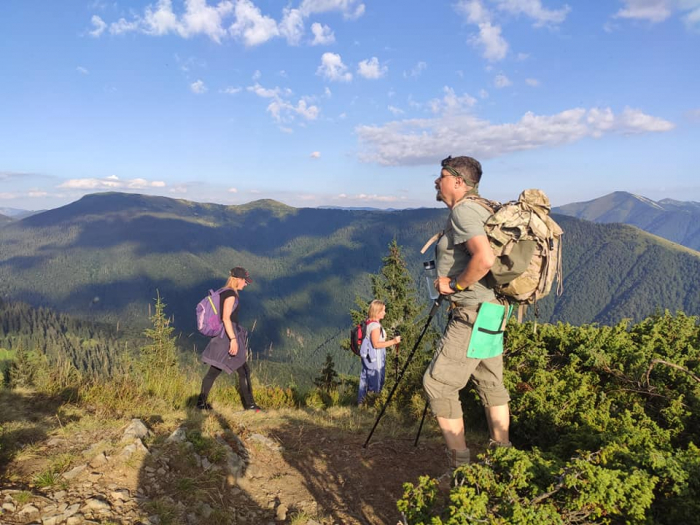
208,315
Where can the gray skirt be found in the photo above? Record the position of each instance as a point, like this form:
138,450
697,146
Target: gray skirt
216,353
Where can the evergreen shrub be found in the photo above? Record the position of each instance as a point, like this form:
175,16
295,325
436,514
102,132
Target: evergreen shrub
605,424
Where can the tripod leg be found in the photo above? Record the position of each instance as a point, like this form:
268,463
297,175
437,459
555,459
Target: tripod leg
420,427
405,366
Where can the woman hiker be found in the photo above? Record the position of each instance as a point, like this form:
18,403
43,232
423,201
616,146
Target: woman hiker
373,351
227,351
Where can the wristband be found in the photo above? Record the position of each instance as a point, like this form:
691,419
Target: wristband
458,287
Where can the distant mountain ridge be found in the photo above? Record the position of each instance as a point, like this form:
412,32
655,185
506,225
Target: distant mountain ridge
107,256
674,220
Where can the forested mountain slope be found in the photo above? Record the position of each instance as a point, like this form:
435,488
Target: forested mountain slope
676,221
108,255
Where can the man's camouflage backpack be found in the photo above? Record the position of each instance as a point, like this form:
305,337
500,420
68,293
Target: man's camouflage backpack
527,245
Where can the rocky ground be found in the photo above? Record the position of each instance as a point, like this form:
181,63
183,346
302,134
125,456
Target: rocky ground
216,467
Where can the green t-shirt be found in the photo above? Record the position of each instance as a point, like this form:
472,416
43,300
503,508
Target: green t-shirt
466,220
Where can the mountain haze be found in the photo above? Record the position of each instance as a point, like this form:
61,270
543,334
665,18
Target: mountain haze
676,221
107,256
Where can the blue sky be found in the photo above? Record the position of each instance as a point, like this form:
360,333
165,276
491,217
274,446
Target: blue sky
347,102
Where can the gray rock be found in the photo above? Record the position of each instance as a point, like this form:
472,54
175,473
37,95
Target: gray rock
266,441
52,520
281,512
70,511
99,460
206,464
75,520
120,495
74,472
9,507
206,510
28,510
59,495
135,430
179,436
97,504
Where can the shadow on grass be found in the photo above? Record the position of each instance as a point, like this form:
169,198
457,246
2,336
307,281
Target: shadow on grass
26,419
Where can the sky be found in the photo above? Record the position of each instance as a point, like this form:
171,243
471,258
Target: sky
347,102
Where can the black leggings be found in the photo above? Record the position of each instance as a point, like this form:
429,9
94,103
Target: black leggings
245,387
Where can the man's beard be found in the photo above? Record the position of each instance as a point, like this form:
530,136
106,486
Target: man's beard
438,196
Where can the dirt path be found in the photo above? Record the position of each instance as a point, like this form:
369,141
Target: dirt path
227,467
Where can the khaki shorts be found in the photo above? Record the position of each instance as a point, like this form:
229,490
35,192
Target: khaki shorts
451,369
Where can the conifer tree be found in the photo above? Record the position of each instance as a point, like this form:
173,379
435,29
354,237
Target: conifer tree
405,316
328,380
159,364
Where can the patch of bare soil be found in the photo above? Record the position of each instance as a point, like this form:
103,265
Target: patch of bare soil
218,467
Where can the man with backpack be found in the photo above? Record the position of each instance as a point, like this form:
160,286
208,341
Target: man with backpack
464,258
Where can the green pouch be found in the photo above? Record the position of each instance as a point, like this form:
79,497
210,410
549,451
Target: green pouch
487,335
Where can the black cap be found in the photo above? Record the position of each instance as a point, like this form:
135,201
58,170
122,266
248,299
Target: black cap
241,273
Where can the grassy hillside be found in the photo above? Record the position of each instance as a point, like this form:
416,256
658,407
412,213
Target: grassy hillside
107,256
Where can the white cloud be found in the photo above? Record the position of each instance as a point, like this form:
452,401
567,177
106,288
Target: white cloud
99,24
323,35
233,190
122,26
534,10
651,10
371,69
363,197
494,45
267,92
422,141
416,71
395,111
532,82
198,87
333,69
230,90
327,92
37,194
350,9
284,112
110,183
5,195
656,11
251,25
256,75
451,103
501,81
292,26
483,93
315,155
82,70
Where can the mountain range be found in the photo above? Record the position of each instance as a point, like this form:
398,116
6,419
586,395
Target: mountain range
107,256
677,221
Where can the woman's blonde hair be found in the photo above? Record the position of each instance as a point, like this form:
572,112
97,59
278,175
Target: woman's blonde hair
231,282
374,308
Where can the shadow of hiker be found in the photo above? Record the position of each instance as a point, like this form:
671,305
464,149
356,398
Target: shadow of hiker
191,476
348,483
27,418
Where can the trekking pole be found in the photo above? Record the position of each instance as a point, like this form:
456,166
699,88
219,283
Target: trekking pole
420,427
396,359
433,311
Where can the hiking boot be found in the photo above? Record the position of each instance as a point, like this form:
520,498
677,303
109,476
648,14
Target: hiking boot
254,408
203,405
498,444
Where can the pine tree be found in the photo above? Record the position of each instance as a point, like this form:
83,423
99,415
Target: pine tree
404,316
159,364
328,380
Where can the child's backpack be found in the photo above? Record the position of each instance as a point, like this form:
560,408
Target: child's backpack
527,245
208,316
357,335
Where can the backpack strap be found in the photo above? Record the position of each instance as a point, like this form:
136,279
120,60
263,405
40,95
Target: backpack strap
433,239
